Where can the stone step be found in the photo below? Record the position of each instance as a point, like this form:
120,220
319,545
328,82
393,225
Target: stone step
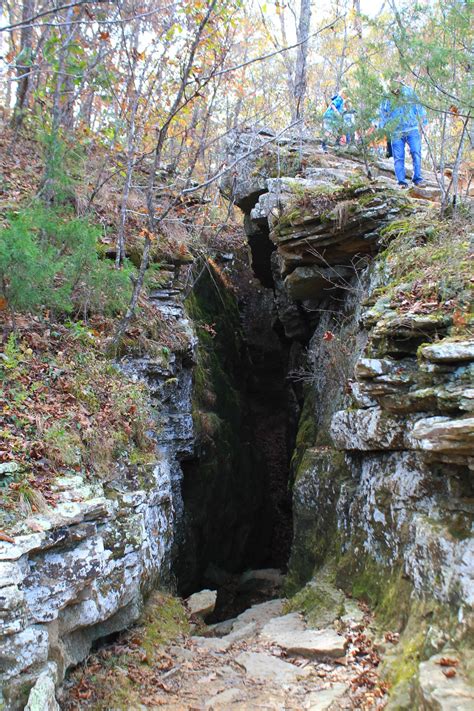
306,643
264,667
260,614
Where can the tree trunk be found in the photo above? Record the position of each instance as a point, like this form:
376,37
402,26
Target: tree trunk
179,102
23,68
357,20
299,88
457,164
49,187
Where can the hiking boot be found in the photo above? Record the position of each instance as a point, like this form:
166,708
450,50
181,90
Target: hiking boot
403,186
419,183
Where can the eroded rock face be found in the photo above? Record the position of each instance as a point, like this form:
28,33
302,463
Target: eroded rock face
404,431
382,468
83,574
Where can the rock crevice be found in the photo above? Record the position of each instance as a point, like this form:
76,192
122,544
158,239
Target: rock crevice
383,464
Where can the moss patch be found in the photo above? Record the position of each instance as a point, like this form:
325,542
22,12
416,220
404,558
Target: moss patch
127,674
386,590
316,537
273,163
428,268
320,600
306,434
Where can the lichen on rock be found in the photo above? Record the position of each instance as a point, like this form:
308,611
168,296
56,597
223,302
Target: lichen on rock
377,287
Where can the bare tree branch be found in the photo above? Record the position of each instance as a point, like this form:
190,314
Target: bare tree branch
238,160
263,57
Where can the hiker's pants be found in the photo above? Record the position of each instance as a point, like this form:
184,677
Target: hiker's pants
413,139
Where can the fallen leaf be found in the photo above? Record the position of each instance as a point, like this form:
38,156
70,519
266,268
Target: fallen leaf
448,662
6,537
449,673
84,694
35,526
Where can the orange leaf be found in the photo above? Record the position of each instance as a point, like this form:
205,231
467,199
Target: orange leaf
459,319
448,662
3,303
6,537
449,673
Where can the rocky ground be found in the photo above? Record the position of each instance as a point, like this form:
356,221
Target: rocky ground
267,657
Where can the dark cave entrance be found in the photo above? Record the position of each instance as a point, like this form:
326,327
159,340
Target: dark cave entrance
237,515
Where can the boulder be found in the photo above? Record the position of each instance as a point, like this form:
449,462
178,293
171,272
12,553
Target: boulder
266,582
202,604
320,600
42,696
222,644
260,614
325,698
212,644
241,633
271,575
293,622
306,643
225,698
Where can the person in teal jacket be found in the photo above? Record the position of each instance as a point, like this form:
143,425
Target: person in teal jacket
333,116
402,116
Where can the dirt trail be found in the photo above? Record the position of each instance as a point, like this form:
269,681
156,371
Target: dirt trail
265,659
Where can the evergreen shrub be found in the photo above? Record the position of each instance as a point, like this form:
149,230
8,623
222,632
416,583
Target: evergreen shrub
49,260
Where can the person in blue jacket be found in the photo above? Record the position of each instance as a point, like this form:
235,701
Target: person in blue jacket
402,116
333,116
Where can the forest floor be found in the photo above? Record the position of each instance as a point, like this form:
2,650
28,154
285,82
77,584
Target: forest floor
268,657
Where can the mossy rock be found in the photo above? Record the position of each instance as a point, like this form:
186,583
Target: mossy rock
274,163
386,590
162,621
315,493
320,600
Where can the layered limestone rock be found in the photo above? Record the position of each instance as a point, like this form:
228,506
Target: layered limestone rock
83,572
382,485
